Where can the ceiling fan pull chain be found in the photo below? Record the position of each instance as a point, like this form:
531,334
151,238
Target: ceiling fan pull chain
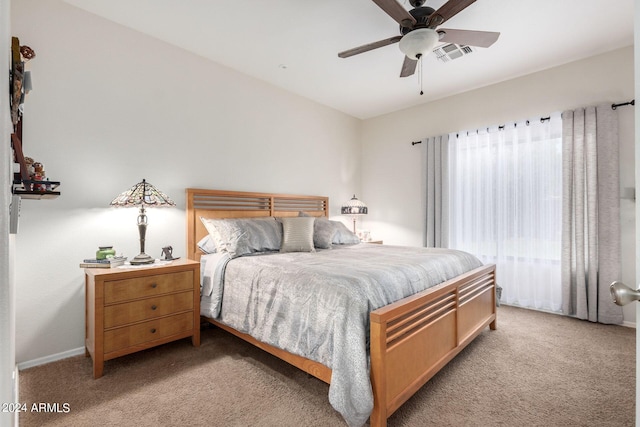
419,56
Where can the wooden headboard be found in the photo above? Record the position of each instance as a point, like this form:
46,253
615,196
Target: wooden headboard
239,204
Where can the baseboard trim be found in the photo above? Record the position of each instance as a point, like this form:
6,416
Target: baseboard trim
629,324
625,323
51,358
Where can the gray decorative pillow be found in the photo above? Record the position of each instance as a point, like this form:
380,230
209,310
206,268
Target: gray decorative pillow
297,234
343,236
207,245
242,236
323,231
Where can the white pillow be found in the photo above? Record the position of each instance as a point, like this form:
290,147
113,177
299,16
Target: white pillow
297,234
207,245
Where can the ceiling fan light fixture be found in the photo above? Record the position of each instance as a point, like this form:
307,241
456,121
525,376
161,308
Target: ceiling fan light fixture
419,42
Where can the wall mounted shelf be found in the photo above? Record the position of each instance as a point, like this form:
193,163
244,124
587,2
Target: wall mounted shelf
36,190
24,185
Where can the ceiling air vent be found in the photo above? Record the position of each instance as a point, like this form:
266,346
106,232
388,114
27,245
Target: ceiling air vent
449,52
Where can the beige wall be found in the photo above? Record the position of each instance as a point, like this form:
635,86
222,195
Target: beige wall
391,166
111,106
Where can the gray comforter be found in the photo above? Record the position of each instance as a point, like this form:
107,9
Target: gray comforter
317,304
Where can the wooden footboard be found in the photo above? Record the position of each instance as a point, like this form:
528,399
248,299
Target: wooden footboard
412,339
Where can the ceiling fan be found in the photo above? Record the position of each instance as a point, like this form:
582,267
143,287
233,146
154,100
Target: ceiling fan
419,32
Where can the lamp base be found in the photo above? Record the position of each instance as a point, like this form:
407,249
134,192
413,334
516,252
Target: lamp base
142,259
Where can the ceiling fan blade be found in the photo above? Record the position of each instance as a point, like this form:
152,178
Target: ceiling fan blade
397,12
369,46
408,67
468,37
448,11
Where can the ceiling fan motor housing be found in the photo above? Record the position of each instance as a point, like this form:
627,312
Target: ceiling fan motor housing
421,15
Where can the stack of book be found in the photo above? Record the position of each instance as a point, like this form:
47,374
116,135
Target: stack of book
103,263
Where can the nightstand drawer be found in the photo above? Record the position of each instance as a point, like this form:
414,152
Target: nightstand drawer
129,336
147,286
136,311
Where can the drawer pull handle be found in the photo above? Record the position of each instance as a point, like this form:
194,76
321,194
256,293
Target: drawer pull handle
153,307
154,285
153,330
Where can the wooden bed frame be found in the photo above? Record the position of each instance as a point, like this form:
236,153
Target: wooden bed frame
411,339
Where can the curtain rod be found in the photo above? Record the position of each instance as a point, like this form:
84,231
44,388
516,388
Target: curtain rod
542,119
614,106
501,127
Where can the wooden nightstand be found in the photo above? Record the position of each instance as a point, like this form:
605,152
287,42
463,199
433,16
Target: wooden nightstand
132,309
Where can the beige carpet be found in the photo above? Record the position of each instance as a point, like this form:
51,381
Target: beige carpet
537,369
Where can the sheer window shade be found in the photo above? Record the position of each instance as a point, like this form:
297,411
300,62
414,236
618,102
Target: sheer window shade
505,206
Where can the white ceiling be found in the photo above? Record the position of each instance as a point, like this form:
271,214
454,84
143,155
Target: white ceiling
293,44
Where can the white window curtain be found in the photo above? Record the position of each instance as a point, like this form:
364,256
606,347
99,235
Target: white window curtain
591,248
505,204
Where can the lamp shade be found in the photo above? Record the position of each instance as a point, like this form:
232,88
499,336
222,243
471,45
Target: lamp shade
354,207
142,194
418,42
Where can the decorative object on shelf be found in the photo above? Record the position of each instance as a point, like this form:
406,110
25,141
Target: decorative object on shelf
30,182
110,262
20,79
35,184
142,195
354,208
364,235
105,252
167,252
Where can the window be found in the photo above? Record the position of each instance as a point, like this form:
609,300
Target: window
505,195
